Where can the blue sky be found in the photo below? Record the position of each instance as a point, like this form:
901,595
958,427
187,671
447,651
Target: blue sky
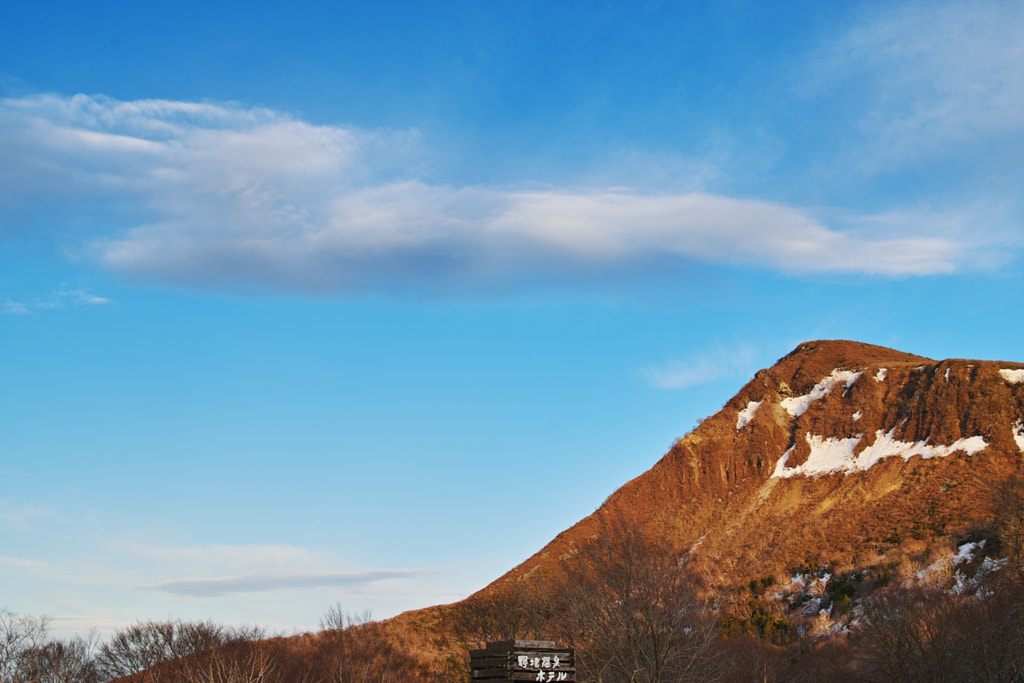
365,302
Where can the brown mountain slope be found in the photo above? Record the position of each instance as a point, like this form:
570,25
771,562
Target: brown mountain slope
841,454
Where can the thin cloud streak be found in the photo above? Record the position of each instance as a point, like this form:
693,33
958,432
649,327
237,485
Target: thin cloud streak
935,76
234,556
64,297
701,368
25,563
258,583
8,307
220,196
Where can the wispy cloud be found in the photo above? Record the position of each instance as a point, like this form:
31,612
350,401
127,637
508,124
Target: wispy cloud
222,196
63,297
25,563
9,307
73,296
701,368
22,515
255,583
222,555
931,75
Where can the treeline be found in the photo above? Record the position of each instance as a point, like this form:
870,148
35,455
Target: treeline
344,650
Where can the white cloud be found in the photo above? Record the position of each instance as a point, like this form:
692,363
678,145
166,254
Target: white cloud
218,195
25,563
253,583
931,76
63,297
244,557
701,368
13,307
75,296
23,515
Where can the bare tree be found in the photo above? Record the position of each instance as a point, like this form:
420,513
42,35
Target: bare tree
514,610
19,637
62,661
29,655
628,604
356,649
237,662
1009,526
145,645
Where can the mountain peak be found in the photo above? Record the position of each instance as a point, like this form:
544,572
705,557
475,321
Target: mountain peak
841,455
833,425
818,358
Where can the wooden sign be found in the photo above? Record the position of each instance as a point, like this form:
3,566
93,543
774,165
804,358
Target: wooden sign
523,660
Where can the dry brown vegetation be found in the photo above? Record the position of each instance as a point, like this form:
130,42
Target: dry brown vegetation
635,610
713,491
712,497
626,602
345,650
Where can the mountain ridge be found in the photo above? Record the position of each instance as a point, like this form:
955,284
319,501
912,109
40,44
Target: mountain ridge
700,466
841,455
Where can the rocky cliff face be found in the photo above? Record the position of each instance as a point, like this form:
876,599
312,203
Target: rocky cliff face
838,453
841,457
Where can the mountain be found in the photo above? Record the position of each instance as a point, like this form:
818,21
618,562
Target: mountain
842,458
839,447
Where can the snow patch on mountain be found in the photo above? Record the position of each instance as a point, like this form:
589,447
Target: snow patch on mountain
798,405
780,466
827,455
830,455
941,567
1013,376
747,414
880,375
951,572
1018,435
965,553
885,446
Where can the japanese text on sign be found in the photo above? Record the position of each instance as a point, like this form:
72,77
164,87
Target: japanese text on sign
544,665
